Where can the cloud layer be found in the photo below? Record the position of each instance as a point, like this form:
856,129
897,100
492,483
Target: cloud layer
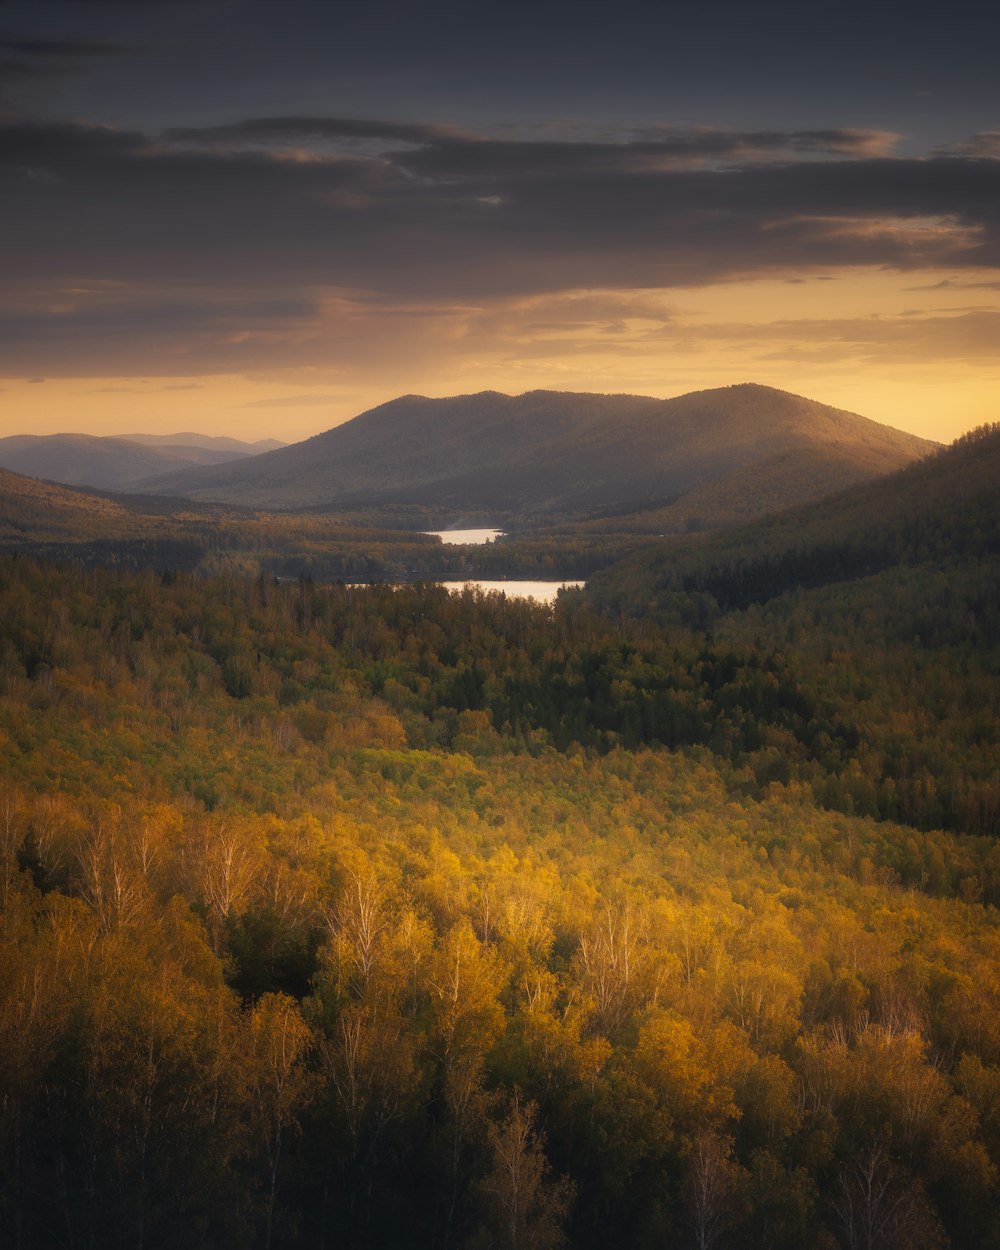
283,240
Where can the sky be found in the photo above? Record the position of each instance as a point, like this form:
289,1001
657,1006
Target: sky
260,219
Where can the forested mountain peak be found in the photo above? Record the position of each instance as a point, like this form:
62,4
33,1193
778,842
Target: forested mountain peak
552,453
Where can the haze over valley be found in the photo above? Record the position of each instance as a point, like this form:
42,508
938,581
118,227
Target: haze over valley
117,463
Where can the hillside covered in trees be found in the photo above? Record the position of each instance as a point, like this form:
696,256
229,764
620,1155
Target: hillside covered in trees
374,918
938,513
88,528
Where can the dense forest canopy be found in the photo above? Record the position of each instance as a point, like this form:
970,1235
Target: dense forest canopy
385,918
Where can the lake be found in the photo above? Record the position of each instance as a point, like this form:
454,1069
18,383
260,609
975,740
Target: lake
541,592
465,537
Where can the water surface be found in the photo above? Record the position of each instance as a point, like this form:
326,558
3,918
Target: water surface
471,537
541,592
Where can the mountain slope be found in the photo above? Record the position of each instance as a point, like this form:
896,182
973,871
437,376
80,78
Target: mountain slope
104,462
213,442
942,510
548,453
744,494
31,508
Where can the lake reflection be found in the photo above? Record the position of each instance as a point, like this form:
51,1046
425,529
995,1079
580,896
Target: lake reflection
455,537
541,592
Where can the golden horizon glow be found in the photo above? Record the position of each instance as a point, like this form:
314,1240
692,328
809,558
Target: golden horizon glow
911,350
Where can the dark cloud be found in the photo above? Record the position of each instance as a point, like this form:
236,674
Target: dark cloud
63,49
282,129
447,149
62,147
233,314
780,65
985,144
240,242
13,70
26,60
174,336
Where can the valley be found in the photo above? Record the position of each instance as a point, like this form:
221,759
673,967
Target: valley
678,894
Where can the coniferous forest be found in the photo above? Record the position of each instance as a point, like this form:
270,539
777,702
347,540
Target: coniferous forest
372,917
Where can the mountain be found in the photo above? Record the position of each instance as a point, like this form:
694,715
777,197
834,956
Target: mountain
30,508
214,442
113,463
57,523
550,453
941,512
782,481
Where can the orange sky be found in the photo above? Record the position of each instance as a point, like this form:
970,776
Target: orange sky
379,199
916,350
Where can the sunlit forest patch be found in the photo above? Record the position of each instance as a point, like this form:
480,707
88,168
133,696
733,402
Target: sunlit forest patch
374,918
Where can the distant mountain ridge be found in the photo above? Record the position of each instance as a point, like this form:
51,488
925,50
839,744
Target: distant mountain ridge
117,463
552,453
216,442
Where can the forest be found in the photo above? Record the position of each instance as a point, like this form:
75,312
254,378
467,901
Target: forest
361,917
136,532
